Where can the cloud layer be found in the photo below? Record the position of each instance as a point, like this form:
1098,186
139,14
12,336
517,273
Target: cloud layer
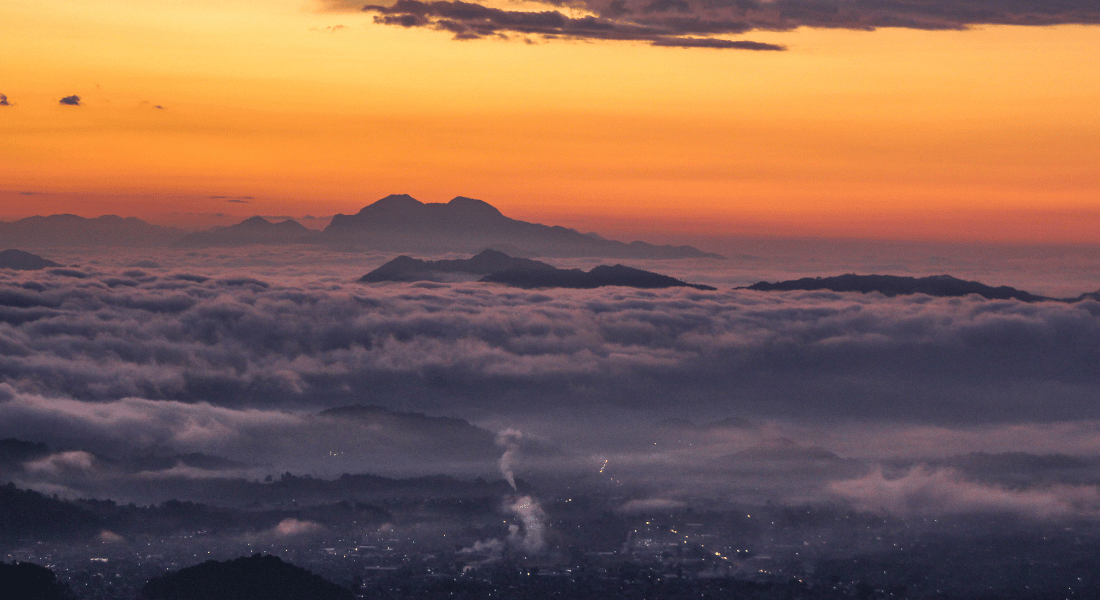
240,341
924,491
675,392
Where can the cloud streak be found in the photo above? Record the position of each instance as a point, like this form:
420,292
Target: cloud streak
926,491
696,23
469,20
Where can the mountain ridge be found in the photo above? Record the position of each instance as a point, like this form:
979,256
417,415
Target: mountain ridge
895,285
68,230
400,222
19,260
397,222
498,267
253,230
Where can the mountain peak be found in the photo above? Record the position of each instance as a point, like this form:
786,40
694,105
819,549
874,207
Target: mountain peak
401,223
393,202
254,222
24,261
474,206
292,225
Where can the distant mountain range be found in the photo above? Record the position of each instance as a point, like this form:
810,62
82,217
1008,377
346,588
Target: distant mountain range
498,267
893,285
394,223
24,261
254,230
74,231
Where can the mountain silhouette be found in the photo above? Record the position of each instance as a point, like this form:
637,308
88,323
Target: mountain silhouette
406,268
254,230
498,267
402,223
252,578
600,276
24,261
71,230
894,285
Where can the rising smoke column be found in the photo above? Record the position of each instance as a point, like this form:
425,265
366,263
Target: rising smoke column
530,538
530,513
510,439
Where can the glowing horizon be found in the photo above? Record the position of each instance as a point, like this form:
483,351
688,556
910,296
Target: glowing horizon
984,134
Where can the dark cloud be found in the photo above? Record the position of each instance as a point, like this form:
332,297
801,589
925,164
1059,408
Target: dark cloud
4,100
468,20
70,100
689,42
234,199
662,22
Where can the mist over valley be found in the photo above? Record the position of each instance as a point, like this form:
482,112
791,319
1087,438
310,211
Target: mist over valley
225,402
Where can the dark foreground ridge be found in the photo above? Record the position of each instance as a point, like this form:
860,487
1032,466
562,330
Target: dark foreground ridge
254,578
29,581
24,261
402,223
894,285
498,267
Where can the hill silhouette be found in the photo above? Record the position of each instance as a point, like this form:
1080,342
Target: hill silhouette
498,267
400,222
254,230
28,581
600,276
406,268
24,261
259,577
894,285
72,230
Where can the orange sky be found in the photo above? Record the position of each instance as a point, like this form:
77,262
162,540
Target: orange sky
990,134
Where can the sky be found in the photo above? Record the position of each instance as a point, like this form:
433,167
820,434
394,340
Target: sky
932,120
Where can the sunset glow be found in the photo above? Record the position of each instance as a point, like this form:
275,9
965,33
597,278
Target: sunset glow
896,133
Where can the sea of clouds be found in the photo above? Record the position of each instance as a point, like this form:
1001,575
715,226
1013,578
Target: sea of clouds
798,396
